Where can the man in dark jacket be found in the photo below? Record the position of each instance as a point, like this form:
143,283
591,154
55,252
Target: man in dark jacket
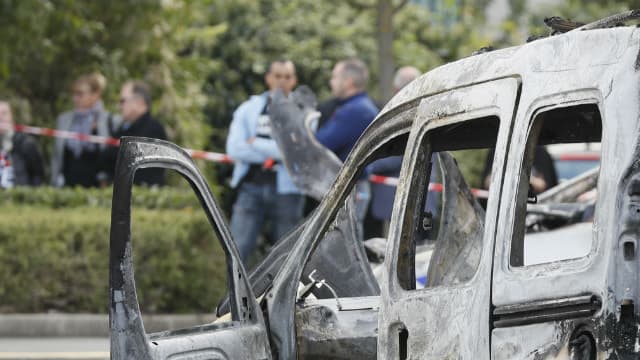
382,195
135,108
355,111
543,171
21,162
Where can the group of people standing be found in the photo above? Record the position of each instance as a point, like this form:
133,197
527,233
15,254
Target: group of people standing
265,191
75,162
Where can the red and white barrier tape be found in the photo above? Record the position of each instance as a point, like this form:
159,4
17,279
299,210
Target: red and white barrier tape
198,154
209,156
435,187
67,135
105,140
385,180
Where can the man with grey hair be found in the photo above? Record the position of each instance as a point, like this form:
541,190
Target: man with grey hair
404,76
355,109
382,195
354,113
135,108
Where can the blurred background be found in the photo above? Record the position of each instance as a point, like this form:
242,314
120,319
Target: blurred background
202,58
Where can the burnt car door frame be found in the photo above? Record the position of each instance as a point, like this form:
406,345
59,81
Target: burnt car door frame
443,321
563,298
282,296
245,336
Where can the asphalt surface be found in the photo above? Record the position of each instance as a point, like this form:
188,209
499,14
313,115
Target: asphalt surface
58,348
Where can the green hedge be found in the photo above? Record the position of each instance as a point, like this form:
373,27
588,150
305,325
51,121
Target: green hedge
57,260
55,198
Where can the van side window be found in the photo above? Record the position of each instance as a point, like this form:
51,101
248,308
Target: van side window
445,218
555,211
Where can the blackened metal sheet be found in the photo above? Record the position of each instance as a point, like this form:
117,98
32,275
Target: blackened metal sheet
312,167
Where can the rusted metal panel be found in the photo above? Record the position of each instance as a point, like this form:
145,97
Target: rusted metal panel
312,167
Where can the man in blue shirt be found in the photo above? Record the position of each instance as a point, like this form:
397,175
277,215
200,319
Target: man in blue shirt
355,109
354,113
265,189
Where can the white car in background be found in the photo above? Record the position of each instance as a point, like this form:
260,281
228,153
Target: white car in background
571,160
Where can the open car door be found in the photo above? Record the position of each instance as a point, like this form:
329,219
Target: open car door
244,337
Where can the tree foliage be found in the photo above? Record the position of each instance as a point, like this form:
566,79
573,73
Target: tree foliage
203,58
315,35
45,44
526,21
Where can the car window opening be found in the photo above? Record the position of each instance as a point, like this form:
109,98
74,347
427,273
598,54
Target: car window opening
563,221
447,213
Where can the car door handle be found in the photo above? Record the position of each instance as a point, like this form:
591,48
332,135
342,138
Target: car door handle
546,310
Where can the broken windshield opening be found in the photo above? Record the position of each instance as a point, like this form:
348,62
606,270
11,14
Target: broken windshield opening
348,258
340,279
555,207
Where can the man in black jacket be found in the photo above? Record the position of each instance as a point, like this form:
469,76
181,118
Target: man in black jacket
21,162
135,108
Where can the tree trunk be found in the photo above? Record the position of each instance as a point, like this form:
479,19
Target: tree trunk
386,64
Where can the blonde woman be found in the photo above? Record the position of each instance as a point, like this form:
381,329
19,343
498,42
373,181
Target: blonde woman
76,163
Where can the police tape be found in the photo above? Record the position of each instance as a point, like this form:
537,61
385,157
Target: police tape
105,140
67,135
435,187
198,154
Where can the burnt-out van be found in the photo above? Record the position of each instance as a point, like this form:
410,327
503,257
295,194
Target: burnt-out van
532,273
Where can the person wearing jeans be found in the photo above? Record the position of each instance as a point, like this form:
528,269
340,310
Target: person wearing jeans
266,192
257,204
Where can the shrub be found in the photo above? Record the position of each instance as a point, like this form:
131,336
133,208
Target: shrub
58,260
64,198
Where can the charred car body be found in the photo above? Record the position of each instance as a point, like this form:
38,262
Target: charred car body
527,277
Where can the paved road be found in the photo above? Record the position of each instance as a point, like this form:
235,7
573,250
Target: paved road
54,348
